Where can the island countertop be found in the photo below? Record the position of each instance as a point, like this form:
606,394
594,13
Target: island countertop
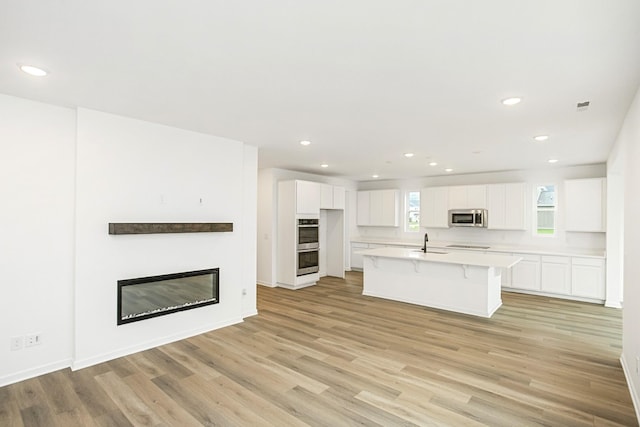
465,258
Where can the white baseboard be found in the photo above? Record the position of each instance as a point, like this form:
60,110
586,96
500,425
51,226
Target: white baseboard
94,360
34,372
632,390
250,313
268,285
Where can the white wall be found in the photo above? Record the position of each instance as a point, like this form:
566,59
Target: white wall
267,227
628,142
525,238
65,174
616,166
37,170
249,229
134,171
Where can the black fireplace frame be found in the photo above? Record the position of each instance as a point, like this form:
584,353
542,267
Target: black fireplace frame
215,299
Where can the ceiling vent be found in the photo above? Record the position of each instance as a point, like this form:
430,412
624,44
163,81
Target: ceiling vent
582,106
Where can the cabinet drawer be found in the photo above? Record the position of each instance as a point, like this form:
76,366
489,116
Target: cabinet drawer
556,259
589,262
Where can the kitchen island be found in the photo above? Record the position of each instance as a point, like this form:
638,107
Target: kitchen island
462,282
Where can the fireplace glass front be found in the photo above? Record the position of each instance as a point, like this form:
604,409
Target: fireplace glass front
146,297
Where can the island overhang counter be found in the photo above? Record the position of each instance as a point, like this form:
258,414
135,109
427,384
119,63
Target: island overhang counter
464,282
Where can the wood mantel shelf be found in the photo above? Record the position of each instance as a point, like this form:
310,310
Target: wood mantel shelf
169,227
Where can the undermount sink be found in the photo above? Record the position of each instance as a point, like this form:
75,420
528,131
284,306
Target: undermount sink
468,247
431,252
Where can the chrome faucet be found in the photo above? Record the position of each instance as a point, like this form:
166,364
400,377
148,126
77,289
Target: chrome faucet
426,239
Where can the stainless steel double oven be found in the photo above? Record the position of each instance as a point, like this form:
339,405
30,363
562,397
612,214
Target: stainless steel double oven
307,238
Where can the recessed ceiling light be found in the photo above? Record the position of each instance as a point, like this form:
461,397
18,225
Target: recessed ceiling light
433,164
408,155
511,101
553,160
375,176
324,165
305,143
541,138
448,170
33,71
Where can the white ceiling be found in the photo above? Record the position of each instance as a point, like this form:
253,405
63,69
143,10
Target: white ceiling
364,80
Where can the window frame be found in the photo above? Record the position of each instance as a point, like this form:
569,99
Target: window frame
408,211
536,210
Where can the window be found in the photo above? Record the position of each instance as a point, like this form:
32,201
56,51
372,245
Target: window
412,210
546,202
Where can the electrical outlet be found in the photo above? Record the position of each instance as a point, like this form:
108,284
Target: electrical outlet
33,339
244,291
637,365
16,343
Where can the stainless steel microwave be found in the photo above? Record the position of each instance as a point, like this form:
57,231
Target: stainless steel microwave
468,218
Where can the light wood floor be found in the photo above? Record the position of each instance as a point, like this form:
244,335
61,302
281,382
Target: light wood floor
328,356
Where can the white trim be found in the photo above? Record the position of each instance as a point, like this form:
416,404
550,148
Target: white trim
34,372
250,313
269,285
634,394
84,363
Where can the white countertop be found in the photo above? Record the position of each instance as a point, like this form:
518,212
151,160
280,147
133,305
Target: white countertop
437,245
467,258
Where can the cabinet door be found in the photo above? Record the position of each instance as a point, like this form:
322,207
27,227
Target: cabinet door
376,202
526,273
357,259
515,206
338,198
458,197
326,196
506,278
434,207
468,197
307,197
390,205
585,204
383,208
587,278
363,208
476,196
506,206
555,275
496,200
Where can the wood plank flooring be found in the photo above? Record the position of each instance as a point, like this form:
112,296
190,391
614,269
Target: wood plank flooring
328,356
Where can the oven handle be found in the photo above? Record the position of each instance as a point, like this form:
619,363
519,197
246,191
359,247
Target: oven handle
307,250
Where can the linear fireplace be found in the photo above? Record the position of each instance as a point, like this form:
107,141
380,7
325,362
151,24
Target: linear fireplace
146,297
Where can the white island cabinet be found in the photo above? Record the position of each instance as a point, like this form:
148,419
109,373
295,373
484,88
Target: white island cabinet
462,282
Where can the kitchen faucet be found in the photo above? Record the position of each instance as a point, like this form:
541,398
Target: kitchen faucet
426,239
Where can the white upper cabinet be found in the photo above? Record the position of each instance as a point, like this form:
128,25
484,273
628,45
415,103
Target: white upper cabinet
326,196
307,198
585,204
434,207
362,209
468,197
378,208
506,206
339,199
331,197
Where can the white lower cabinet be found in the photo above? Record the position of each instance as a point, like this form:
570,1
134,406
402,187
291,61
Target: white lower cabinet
564,276
357,259
526,273
588,278
555,274
506,277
